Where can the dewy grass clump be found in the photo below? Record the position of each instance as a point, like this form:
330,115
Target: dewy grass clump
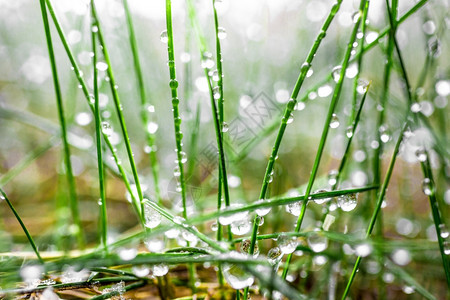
224,149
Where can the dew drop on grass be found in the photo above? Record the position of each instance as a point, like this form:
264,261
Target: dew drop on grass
240,227
173,83
447,248
407,289
152,217
214,226
274,255
290,119
152,127
155,245
164,37
334,123
293,208
127,253
427,187
349,131
215,75
176,171
245,247
140,271
336,73
159,270
421,155
317,242
347,202
287,244
259,220
207,61
263,210
228,219
106,128
221,33
225,127
356,15
236,277
332,175
321,200
444,231
362,86
442,87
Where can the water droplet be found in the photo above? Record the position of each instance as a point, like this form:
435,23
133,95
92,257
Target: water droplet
349,131
347,202
140,271
236,277
263,210
287,244
356,16
214,226
215,75
274,255
290,119
332,175
427,187
106,128
240,227
362,86
447,248
336,73
317,242
421,155
321,200
444,231
207,62
334,123
385,137
94,28
127,253
163,37
401,257
228,219
221,33
176,171
152,127
183,157
152,217
407,289
259,220
245,247
224,127
294,208
173,83
160,270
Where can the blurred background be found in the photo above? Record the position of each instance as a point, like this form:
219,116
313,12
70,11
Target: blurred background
264,45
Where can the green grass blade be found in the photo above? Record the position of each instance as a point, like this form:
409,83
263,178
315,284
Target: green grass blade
24,228
68,165
119,109
144,102
98,137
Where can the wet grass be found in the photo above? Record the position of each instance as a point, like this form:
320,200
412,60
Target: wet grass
341,243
